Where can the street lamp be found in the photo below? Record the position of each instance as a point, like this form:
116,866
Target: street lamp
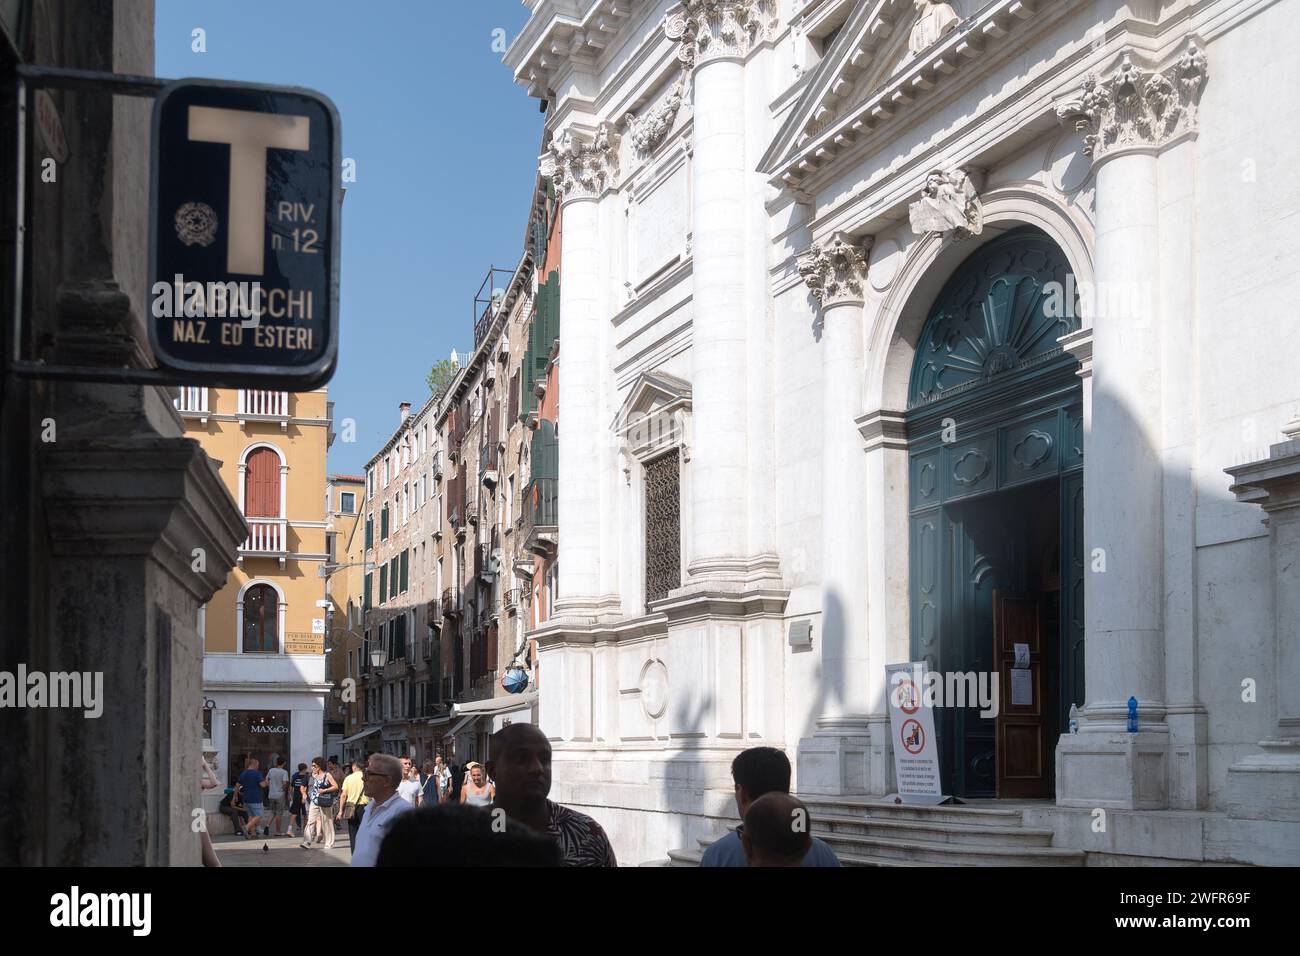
378,656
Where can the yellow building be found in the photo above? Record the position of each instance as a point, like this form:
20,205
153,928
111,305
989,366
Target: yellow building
344,496
264,632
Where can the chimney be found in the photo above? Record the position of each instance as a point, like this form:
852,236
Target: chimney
405,409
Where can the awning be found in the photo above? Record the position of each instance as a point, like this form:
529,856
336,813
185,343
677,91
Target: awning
496,705
459,725
365,733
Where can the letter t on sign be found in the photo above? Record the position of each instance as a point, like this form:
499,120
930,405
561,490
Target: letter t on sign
250,135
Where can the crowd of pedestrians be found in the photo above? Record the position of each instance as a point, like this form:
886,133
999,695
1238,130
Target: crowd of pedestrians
499,814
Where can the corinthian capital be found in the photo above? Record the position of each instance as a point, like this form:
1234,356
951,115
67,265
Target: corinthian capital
1137,106
582,167
710,29
835,269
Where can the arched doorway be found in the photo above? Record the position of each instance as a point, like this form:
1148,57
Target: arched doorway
995,474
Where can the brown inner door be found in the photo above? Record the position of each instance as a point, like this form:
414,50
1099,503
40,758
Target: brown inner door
262,484
1024,750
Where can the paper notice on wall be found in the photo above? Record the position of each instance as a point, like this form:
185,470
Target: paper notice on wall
1022,688
1022,655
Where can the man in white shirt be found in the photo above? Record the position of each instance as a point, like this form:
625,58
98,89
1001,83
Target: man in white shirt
409,788
383,774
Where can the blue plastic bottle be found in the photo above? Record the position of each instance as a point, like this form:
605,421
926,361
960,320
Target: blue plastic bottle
1132,715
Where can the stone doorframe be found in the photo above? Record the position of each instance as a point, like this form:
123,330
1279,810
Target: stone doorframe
894,322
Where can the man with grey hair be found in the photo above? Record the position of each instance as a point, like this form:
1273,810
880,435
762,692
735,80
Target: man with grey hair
383,774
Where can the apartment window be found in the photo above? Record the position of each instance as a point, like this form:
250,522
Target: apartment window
383,522
370,532
329,546
348,503
392,577
370,484
406,502
383,586
403,569
365,597
383,473
261,624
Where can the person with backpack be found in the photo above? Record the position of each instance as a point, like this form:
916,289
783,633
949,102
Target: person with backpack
322,792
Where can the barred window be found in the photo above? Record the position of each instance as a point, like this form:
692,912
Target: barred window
663,557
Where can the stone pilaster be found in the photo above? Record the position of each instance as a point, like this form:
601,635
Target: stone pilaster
836,759
1264,786
1128,117
584,168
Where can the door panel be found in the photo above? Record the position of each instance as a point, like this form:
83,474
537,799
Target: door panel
1023,747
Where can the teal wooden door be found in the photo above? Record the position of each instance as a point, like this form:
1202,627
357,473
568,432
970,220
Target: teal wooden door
995,438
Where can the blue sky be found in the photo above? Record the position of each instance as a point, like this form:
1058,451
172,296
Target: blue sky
446,151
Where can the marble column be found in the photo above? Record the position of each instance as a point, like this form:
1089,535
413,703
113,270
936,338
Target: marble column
835,760
583,166
1130,116
717,37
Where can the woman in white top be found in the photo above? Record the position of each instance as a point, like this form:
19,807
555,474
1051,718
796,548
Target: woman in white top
409,788
476,793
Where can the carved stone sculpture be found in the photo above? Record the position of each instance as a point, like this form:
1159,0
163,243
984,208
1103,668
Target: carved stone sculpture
582,168
1137,106
834,270
934,21
949,204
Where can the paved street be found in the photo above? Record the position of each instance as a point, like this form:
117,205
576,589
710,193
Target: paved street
281,851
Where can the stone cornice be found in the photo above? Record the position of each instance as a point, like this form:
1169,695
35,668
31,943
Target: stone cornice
814,136
1138,106
836,269
143,496
582,166
563,32
716,29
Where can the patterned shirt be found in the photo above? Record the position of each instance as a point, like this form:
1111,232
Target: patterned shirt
581,839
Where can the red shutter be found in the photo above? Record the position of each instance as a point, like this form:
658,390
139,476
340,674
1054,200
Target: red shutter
262,484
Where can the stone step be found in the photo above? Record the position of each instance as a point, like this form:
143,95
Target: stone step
927,831
684,857
927,853
951,813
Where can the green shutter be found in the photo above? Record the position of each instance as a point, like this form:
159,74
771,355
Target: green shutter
383,523
365,600
404,569
383,583
392,577
545,451
370,532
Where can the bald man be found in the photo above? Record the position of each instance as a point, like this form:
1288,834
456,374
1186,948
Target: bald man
522,761
776,831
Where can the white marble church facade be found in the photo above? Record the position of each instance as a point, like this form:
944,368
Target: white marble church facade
762,202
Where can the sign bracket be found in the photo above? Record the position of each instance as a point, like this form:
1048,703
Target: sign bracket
25,78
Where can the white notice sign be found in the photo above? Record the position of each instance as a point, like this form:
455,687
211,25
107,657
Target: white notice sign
1022,688
916,747
318,626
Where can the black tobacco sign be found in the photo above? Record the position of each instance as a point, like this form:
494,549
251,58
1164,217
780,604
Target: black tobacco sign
244,234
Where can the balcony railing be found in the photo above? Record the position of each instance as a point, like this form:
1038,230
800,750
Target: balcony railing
259,403
437,465
541,515
450,601
191,401
266,538
511,599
